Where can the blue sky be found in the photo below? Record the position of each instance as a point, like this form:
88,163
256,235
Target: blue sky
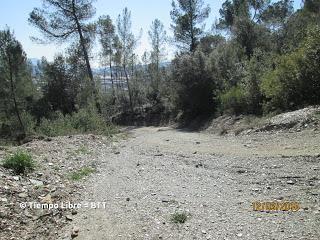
14,13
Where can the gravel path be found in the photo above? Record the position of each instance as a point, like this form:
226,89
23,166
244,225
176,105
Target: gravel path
158,172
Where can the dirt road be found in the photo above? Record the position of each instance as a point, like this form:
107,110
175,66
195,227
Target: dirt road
213,180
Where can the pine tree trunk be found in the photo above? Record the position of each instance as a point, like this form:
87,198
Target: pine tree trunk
86,57
128,85
13,94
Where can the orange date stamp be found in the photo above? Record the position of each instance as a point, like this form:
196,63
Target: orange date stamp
275,206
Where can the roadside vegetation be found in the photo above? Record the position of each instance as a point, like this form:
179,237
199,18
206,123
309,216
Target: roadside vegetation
20,162
179,218
259,58
82,173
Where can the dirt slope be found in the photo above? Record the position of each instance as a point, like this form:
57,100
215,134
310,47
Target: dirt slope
157,172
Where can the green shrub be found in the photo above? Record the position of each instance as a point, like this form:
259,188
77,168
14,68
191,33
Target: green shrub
20,162
272,88
86,120
59,125
282,87
29,123
234,101
255,67
10,127
295,82
179,217
192,86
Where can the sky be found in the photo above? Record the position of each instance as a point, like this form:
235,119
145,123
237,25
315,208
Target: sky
14,14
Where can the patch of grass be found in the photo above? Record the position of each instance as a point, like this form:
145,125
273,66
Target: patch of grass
80,174
179,217
20,162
